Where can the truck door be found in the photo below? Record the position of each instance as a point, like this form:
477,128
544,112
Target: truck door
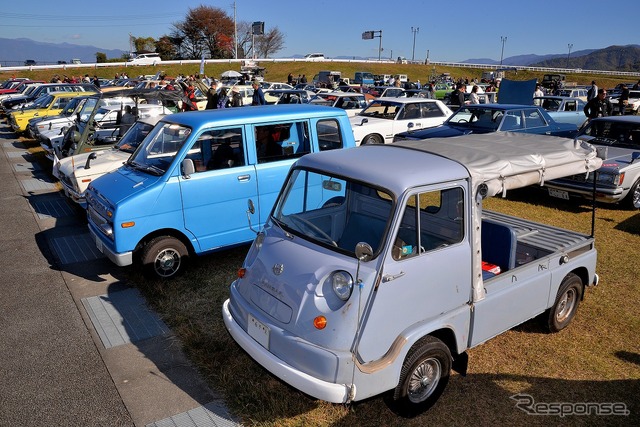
215,197
426,273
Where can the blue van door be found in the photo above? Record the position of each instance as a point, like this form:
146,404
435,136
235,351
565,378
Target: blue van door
214,198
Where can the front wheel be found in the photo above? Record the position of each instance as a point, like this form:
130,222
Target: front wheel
164,257
424,376
632,199
372,139
567,301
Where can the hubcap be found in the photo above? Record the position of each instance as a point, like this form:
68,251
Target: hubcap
167,263
424,380
565,307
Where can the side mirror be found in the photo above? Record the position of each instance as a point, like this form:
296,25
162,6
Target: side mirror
364,252
251,209
75,136
188,168
364,121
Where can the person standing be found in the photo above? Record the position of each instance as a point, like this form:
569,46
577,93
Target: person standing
258,95
212,96
538,93
593,91
457,96
236,98
623,100
600,106
473,96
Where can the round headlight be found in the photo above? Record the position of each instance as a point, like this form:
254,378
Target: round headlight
342,284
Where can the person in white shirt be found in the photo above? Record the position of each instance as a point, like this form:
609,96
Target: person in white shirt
538,93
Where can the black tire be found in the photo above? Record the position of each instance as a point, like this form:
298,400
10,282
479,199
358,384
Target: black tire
424,376
372,139
164,257
566,304
633,197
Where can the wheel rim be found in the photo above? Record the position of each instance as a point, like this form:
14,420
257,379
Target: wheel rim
566,305
635,197
167,262
424,380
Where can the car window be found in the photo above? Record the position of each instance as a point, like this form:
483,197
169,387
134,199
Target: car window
616,134
218,149
281,141
533,119
431,220
512,121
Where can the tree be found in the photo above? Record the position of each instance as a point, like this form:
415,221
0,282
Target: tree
101,57
144,44
168,48
268,44
205,31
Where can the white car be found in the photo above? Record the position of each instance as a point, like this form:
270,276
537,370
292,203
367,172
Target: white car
633,107
314,57
77,172
384,117
351,102
145,59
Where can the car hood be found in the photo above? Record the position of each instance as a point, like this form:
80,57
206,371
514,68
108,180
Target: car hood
105,161
123,183
442,131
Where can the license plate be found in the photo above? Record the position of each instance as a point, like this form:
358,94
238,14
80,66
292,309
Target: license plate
258,331
560,194
99,244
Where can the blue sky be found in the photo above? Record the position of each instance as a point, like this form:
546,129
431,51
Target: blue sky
335,28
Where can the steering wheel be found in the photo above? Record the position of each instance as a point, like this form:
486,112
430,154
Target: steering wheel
311,226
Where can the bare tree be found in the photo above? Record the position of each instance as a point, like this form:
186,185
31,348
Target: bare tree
268,44
244,37
206,31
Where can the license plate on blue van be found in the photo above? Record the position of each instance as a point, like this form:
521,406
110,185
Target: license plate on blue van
258,331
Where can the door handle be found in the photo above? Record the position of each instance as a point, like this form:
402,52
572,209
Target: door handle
389,277
243,178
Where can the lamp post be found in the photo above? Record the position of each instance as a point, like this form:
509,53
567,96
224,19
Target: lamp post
570,45
503,39
413,52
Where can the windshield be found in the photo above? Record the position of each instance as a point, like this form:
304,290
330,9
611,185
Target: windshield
133,137
71,106
333,212
616,134
477,118
160,148
88,108
382,110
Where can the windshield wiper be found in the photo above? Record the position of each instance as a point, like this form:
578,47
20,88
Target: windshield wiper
154,170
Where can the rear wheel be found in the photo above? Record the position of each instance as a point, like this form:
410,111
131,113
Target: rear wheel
164,257
424,376
372,139
567,301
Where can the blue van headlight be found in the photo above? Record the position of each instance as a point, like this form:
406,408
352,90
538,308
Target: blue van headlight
342,284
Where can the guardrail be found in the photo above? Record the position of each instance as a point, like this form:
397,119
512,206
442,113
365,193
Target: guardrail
372,61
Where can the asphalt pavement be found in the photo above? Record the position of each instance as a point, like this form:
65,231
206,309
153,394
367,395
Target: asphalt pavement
78,345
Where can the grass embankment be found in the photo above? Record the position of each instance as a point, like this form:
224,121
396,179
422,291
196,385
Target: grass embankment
278,71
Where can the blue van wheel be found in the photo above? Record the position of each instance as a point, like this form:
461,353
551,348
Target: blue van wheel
164,257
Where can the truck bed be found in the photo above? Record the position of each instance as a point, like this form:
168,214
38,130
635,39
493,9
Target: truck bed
536,240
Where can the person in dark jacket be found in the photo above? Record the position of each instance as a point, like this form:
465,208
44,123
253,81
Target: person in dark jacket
623,100
212,96
600,106
258,95
236,98
457,96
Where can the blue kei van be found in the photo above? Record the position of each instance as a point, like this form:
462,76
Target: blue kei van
184,191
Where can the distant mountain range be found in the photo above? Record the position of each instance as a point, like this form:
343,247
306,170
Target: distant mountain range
619,58
14,52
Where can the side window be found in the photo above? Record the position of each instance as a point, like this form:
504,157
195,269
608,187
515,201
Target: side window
329,134
533,119
430,109
431,220
282,141
218,149
512,121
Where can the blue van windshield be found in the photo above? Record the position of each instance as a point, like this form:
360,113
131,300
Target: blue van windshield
159,149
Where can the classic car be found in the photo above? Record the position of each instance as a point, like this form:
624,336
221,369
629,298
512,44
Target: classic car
66,117
274,85
352,102
145,59
288,96
23,88
386,91
486,118
16,102
563,109
385,117
633,105
574,93
48,105
442,89
77,172
617,140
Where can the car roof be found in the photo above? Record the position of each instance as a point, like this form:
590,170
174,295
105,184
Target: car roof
620,119
253,114
405,100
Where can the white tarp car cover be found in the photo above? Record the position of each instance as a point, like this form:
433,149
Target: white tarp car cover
505,161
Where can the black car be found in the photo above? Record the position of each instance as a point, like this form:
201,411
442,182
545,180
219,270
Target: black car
14,101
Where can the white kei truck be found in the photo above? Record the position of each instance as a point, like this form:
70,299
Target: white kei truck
378,267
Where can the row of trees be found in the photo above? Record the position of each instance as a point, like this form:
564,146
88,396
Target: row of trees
209,31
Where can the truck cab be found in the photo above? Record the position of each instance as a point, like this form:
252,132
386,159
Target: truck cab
184,190
370,278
